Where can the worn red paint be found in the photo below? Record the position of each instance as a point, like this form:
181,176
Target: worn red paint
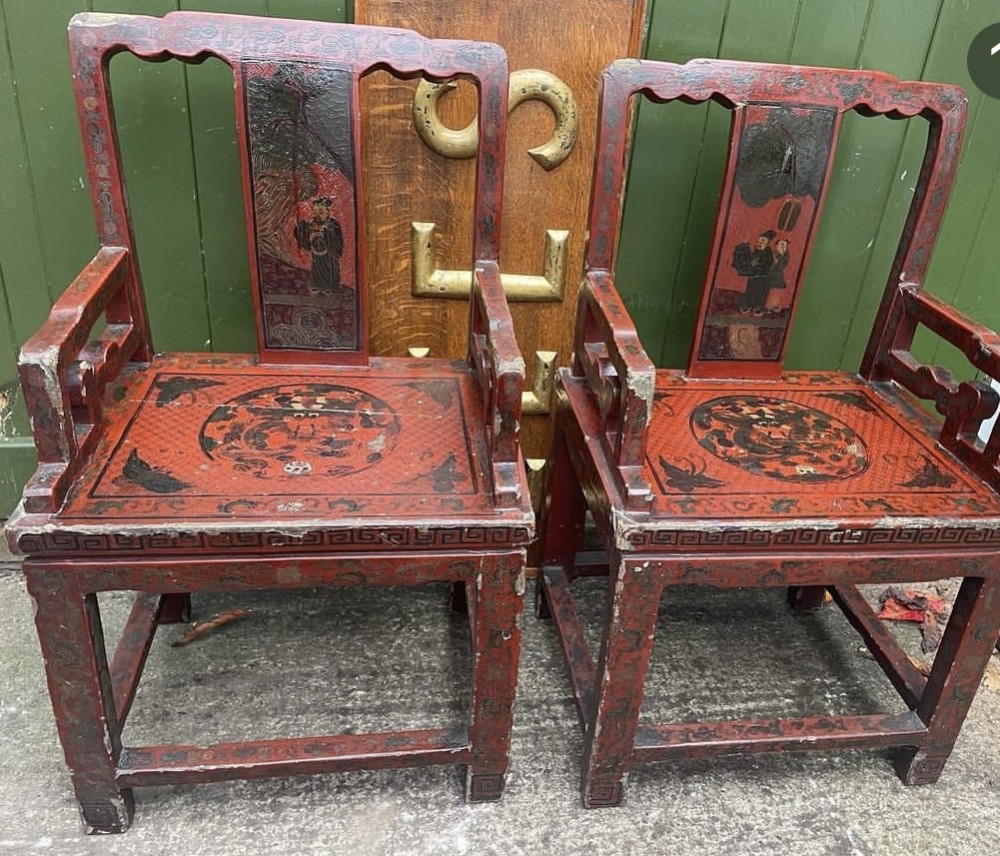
737,473
306,464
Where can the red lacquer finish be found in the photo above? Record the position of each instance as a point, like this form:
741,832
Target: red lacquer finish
306,464
737,473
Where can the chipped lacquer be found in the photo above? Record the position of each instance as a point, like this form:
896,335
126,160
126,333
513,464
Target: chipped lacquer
737,472
305,464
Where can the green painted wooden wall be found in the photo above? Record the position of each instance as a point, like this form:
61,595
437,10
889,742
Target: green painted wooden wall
179,149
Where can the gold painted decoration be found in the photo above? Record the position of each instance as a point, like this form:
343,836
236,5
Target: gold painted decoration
537,470
537,400
531,84
428,281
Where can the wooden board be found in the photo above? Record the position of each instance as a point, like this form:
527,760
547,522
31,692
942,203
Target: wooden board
405,181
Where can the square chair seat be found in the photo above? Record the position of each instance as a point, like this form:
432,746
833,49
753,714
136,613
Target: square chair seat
210,451
814,459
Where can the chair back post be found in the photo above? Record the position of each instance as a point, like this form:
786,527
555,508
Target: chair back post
945,108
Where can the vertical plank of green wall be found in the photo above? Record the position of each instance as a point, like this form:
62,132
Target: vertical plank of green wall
14,424
664,161
220,192
17,451
830,34
957,24
980,283
761,30
46,222
24,307
13,416
20,242
335,11
36,34
863,177
155,137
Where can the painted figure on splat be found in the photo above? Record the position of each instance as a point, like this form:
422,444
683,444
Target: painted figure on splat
755,263
776,276
323,238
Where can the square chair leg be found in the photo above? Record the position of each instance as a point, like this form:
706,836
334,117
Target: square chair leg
497,636
563,519
76,667
634,601
962,656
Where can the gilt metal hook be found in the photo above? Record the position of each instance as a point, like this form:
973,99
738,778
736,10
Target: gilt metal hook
531,84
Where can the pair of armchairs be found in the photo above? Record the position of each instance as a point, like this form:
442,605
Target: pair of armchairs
312,463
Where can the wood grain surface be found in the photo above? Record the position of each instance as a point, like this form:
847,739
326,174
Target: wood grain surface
405,181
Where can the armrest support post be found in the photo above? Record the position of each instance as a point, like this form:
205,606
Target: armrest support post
500,372
607,351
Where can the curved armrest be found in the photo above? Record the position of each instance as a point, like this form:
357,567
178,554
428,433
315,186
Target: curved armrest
63,373
494,354
607,351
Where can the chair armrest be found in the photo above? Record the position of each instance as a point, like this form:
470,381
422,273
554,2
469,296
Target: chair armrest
607,351
494,354
63,373
964,405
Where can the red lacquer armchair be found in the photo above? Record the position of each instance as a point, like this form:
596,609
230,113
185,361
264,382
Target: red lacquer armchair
738,473
308,463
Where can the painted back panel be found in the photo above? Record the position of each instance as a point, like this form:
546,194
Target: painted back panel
780,157
301,161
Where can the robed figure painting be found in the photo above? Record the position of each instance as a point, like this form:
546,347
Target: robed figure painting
302,173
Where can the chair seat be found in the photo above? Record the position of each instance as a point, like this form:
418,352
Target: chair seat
813,459
208,450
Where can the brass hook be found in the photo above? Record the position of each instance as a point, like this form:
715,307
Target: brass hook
531,84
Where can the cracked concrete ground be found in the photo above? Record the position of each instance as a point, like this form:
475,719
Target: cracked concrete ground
364,659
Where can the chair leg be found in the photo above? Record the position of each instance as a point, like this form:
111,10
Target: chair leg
628,641
806,598
76,666
562,519
175,609
499,600
962,657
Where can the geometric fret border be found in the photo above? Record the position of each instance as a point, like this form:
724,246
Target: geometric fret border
679,539
34,544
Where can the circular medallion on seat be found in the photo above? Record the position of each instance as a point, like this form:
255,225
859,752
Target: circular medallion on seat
778,438
295,431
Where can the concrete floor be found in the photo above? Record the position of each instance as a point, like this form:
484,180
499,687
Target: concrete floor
318,662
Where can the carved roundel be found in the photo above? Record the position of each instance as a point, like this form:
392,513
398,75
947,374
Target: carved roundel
779,438
299,430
